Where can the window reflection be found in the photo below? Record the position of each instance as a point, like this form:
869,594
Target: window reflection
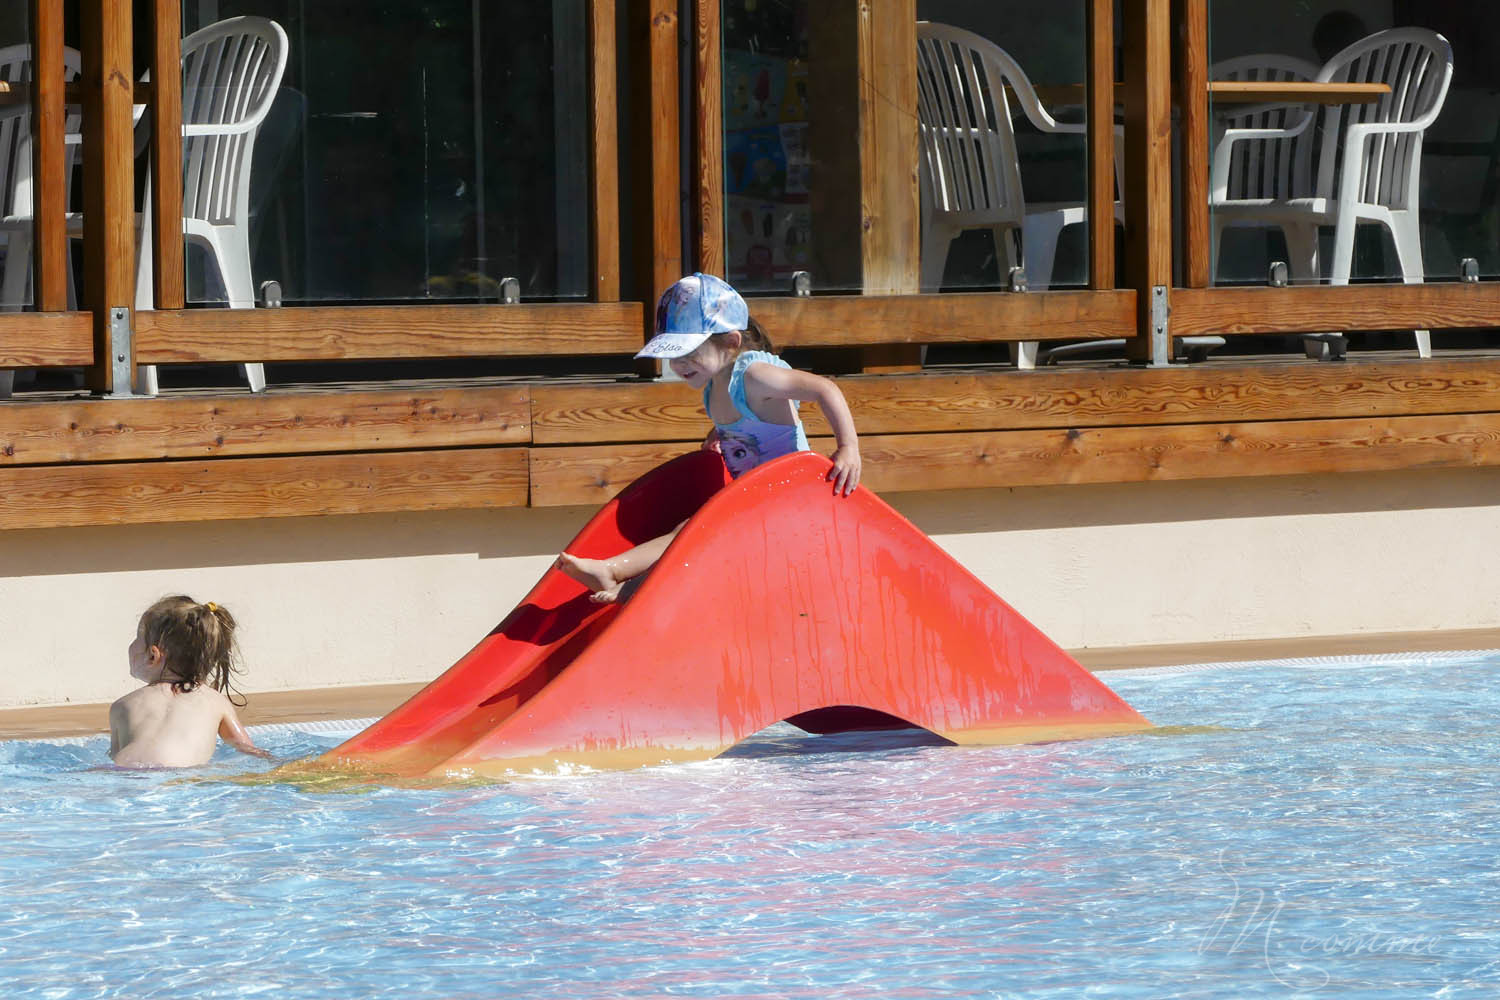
418,150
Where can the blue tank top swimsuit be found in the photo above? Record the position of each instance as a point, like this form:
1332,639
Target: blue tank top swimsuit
750,441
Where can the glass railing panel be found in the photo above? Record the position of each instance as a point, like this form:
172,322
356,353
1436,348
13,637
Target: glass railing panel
413,150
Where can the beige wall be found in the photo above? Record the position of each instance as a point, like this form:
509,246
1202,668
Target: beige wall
381,598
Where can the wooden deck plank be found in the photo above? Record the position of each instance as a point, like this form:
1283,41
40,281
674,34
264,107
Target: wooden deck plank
905,462
332,333
1312,308
225,489
1008,400
112,430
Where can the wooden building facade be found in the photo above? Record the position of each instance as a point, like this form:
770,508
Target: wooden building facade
778,142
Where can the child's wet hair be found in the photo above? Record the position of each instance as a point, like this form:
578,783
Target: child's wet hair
197,643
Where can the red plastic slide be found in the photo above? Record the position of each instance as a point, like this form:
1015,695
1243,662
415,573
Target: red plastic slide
777,601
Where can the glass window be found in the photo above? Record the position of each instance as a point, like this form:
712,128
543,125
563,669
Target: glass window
415,150
1425,199
1004,175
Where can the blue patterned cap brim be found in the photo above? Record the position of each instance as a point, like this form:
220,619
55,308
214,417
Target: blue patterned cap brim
696,306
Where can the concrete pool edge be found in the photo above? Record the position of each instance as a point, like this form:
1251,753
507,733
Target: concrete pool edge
340,706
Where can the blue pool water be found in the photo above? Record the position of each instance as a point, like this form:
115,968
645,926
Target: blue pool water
1328,831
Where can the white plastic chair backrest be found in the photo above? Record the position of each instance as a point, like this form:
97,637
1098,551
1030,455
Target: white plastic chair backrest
1276,167
1417,64
230,72
15,131
968,139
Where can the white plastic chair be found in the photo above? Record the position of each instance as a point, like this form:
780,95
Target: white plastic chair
1364,167
230,73
16,205
970,172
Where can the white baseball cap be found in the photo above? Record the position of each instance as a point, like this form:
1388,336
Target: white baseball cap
692,310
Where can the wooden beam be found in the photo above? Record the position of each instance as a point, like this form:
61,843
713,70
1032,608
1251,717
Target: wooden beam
937,402
327,333
1101,142
276,422
921,462
60,496
1309,309
1192,99
1148,163
658,180
168,269
708,135
604,167
855,320
109,183
49,175
891,244
43,339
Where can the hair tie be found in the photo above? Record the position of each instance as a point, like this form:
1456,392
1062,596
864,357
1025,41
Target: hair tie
212,607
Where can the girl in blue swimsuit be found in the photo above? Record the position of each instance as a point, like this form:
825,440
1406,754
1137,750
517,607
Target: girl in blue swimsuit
704,330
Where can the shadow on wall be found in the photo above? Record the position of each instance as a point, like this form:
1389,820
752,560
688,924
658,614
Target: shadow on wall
486,534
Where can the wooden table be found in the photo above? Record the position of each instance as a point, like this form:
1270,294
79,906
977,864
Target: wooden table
1294,92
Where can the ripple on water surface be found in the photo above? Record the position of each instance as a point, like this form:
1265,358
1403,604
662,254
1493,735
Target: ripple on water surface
1287,831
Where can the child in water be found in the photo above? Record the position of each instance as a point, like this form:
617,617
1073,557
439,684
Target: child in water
184,653
704,329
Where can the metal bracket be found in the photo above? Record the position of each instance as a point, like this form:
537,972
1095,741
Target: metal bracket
1161,335
801,284
1017,279
1468,270
1276,274
510,291
120,350
270,294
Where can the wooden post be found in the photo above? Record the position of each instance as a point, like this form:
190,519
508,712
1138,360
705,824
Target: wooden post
708,136
108,178
890,209
604,191
168,268
50,240
1192,99
657,179
1101,139
1148,173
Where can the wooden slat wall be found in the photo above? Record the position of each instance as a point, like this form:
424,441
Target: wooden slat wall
109,195
231,488
168,269
708,135
328,333
275,423
902,462
49,177
1148,164
1058,398
604,166
1259,309
39,339
1192,100
1101,142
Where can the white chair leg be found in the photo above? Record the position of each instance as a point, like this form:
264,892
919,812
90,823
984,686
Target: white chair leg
1023,354
1302,248
935,243
1408,240
17,271
255,375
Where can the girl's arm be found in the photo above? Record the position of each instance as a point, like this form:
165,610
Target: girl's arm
236,735
767,382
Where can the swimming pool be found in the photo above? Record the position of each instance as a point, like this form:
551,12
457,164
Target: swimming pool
1289,832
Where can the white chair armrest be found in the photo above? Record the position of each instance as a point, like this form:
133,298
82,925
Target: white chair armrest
1218,182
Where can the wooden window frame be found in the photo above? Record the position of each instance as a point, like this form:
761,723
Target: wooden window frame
1199,307
890,311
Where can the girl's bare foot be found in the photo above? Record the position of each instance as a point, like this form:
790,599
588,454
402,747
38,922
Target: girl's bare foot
595,574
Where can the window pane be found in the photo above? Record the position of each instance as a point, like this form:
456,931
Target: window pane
415,150
1004,177
1424,199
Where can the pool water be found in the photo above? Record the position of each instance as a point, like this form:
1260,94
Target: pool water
1288,832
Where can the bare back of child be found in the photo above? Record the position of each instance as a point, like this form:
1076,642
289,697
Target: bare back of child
183,652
